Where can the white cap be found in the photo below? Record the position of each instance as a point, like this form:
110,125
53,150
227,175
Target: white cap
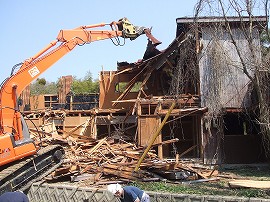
113,188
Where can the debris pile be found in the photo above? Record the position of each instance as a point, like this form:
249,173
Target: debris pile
110,160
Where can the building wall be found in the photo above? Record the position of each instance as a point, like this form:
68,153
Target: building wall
220,60
223,84
64,87
107,81
109,92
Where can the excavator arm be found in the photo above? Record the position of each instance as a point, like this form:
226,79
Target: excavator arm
66,41
15,141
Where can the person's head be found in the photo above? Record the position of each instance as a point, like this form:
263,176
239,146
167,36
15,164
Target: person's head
115,189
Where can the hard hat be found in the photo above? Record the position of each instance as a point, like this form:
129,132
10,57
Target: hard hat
113,188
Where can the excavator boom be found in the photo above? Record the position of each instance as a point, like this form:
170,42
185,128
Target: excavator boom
15,142
66,41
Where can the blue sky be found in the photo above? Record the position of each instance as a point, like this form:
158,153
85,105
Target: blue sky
29,26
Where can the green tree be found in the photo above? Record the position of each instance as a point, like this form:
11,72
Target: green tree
41,81
41,86
85,85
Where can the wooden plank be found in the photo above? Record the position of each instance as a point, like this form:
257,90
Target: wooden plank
97,176
110,148
72,130
250,184
201,180
124,174
188,150
126,154
166,142
120,168
97,146
147,127
130,85
189,168
146,77
84,127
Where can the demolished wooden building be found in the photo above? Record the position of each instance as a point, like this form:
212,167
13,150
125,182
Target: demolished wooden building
228,136
134,99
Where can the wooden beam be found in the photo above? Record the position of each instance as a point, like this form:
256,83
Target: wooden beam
166,142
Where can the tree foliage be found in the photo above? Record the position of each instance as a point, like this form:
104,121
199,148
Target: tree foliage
85,85
41,86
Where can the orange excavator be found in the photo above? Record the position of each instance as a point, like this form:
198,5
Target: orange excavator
22,161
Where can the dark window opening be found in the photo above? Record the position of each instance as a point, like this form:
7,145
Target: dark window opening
242,140
186,130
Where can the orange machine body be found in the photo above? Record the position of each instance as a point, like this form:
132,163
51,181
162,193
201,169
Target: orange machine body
9,153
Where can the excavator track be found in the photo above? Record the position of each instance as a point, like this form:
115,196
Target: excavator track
20,175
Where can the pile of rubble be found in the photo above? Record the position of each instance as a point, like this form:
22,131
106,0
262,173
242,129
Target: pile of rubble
110,160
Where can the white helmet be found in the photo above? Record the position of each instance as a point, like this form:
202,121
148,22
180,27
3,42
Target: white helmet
113,188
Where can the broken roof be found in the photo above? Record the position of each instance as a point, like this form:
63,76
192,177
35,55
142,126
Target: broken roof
184,23
214,19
